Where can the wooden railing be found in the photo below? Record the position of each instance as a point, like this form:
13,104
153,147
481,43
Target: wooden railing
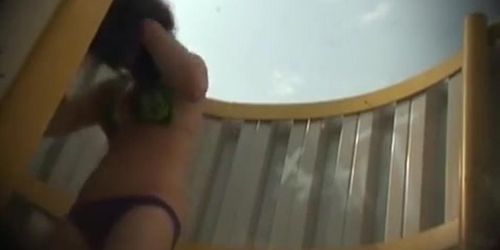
385,148
311,175
406,148
30,102
395,92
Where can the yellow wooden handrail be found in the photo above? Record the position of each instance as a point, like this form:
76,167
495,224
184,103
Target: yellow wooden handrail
31,101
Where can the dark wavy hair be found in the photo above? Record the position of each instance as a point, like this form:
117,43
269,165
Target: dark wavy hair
118,40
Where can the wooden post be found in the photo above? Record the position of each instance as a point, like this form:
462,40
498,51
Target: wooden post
32,100
479,220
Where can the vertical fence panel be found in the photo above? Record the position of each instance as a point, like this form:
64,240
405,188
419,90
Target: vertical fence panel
414,166
269,196
395,197
286,193
241,193
358,183
330,232
205,231
203,171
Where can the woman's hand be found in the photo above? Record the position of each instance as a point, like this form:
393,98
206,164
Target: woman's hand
181,71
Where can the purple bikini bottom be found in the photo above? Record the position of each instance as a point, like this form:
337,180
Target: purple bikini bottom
96,219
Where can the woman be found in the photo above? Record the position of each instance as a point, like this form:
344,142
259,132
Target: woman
136,199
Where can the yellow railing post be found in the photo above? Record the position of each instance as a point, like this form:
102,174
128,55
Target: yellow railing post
477,227
32,99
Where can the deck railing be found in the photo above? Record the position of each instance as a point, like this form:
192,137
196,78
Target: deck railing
406,167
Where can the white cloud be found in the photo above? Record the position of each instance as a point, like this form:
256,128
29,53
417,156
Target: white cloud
378,13
285,83
296,178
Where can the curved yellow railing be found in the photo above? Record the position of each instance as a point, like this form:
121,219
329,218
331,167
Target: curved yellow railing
345,106
442,237
87,14
57,203
31,101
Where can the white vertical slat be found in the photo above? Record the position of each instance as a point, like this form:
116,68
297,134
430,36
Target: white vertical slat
453,147
241,193
293,208
202,171
80,155
64,164
359,212
395,197
380,167
288,204
323,147
265,214
93,148
331,233
414,166
327,200
433,175
211,209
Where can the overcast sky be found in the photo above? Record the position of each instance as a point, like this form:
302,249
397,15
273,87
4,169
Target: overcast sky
310,50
